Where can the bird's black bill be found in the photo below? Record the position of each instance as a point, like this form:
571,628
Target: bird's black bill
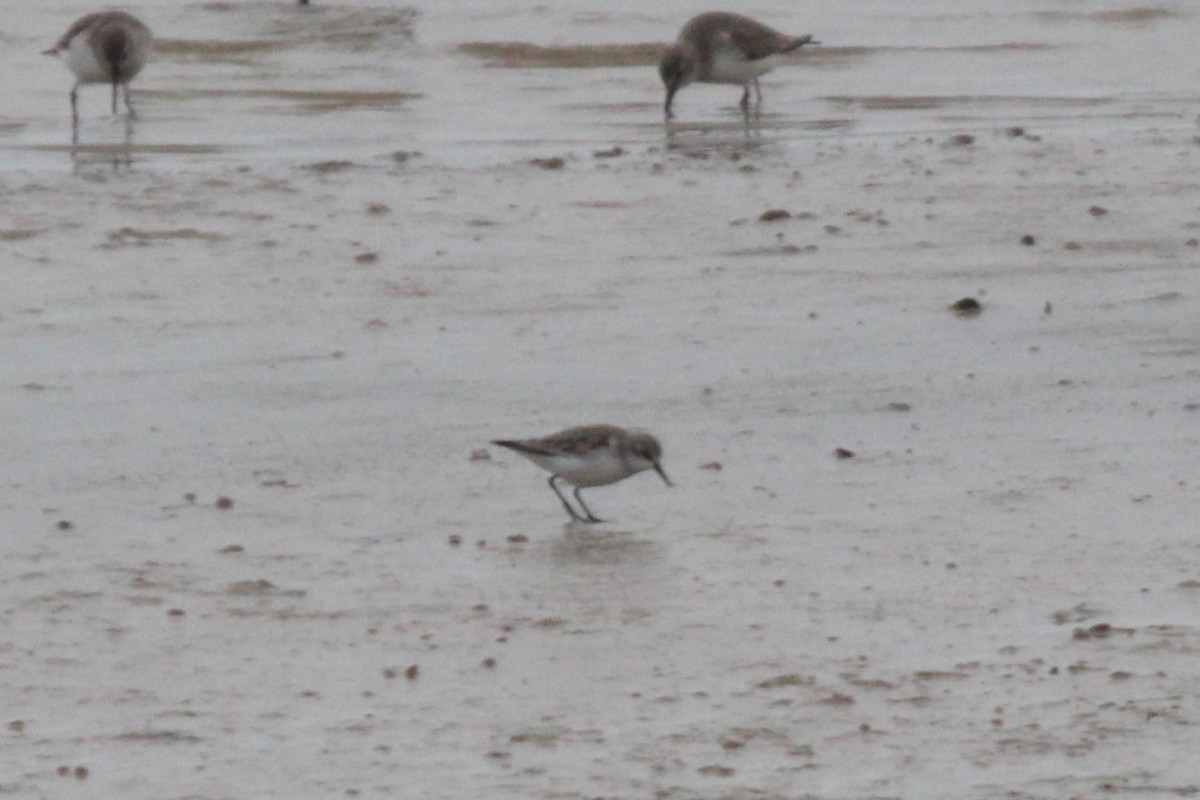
663,475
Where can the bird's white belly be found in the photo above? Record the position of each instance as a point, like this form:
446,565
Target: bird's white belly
597,469
730,66
81,59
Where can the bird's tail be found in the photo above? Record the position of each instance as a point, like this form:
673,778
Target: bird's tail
799,42
521,446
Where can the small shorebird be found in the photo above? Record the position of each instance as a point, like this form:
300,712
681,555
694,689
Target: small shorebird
590,455
105,47
720,47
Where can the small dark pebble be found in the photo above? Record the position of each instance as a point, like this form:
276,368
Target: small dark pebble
325,167
1101,630
455,540
411,672
837,699
233,548
962,140
719,770
175,612
612,152
1015,132
842,452
774,215
518,538
1097,211
64,525
548,163
80,773
489,663
16,726
1028,240
224,503
967,307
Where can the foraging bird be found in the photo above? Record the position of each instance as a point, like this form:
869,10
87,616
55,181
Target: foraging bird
590,455
105,47
720,47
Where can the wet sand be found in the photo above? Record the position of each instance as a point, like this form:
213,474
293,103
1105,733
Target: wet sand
256,344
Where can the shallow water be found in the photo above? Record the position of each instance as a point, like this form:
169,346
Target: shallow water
255,341
478,83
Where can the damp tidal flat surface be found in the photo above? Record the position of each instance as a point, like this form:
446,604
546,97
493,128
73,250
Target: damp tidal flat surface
920,346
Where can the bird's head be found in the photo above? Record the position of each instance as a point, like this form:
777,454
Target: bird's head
676,70
644,452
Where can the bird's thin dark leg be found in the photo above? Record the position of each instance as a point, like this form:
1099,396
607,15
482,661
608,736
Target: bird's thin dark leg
744,104
115,87
128,139
129,102
590,516
574,516
75,114
757,112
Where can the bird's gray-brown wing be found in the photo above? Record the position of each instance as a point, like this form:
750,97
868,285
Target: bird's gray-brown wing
78,27
572,441
583,439
758,41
